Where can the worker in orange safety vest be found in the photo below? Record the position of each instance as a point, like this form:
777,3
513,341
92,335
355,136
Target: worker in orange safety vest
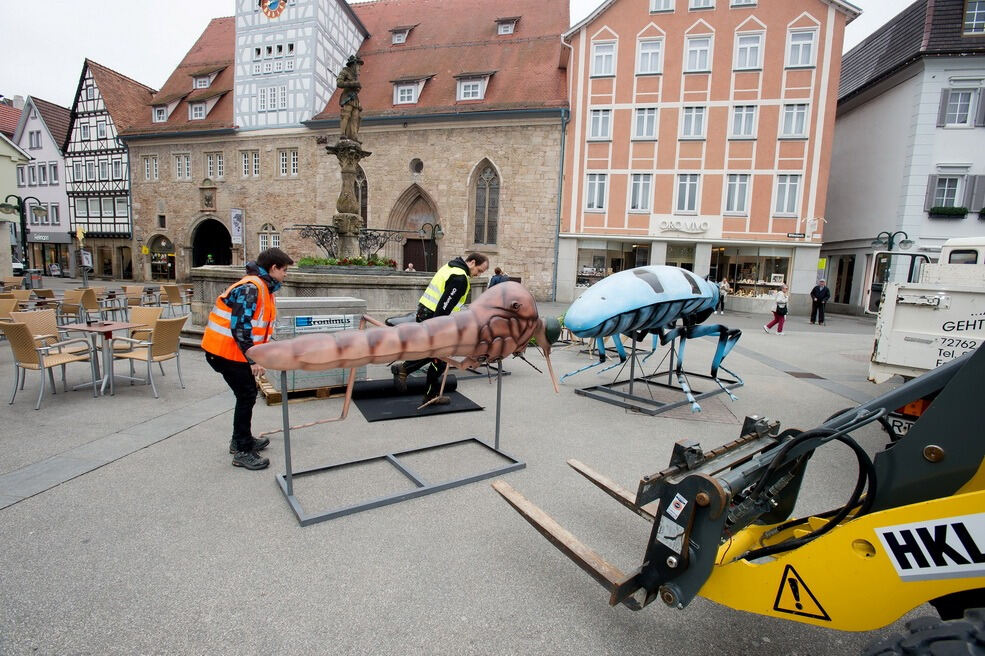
242,317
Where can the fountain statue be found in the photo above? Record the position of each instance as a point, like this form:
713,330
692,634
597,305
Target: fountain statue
348,149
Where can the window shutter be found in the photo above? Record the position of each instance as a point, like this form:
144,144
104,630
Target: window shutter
931,188
942,110
980,114
978,198
969,190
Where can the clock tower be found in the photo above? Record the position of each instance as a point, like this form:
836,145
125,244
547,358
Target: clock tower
288,53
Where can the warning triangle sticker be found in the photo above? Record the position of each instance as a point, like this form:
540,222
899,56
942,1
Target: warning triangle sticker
796,598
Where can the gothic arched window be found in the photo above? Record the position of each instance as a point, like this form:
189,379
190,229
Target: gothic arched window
269,237
486,195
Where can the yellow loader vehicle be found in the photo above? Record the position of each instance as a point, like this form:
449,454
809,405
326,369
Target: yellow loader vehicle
911,532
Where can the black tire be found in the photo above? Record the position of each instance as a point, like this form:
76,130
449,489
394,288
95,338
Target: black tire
929,636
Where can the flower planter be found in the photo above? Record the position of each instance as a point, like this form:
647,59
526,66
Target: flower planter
346,269
933,215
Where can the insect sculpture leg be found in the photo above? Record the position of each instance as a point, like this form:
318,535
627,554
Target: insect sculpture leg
620,349
727,338
680,333
653,348
600,347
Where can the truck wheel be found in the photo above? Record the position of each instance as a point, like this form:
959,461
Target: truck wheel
929,636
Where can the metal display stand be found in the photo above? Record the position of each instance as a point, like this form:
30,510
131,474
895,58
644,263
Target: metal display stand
286,480
608,393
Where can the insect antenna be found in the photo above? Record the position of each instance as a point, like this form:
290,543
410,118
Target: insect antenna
518,355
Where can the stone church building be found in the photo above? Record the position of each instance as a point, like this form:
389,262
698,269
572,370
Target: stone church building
463,110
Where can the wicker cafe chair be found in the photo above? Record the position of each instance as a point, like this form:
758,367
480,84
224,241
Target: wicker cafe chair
90,305
134,295
173,297
27,355
43,325
147,315
43,293
163,345
21,294
70,310
7,305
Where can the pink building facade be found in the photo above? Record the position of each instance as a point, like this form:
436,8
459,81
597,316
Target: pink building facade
700,136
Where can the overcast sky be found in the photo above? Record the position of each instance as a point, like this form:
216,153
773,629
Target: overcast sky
46,41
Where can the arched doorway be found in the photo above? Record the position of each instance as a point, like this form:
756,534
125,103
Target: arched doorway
161,258
211,244
414,209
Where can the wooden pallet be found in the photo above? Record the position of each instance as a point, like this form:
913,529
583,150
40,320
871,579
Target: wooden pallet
273,397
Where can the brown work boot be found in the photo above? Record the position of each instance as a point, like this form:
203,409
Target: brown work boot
399,372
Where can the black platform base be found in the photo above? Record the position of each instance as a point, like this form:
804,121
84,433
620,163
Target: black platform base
401,407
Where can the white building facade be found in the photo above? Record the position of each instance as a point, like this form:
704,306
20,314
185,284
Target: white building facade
288,54
909,153
43,178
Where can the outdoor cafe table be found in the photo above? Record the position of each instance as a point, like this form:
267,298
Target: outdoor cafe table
106,329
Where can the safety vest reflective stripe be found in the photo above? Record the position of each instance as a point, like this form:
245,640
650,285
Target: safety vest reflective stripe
436,288
257,338
218,338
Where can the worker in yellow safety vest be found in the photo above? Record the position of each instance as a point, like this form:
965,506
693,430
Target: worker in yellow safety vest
446,293
242,317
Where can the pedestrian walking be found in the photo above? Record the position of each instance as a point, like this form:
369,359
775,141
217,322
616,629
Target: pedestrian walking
779,312
724,289
819,297
498,277
242,317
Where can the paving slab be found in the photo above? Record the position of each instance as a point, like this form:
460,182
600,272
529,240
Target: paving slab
167,548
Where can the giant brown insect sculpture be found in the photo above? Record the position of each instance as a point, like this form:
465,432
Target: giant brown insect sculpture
501,322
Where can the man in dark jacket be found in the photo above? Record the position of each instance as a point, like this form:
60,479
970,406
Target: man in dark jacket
446,293
819,296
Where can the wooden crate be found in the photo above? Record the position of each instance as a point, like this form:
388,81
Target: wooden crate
273,397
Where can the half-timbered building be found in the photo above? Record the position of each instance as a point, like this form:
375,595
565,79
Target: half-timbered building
98,172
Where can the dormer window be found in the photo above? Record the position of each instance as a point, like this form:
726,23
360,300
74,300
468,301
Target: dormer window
202,82
407,90
399,34
472,86
196,111
160,114
505,26
405,94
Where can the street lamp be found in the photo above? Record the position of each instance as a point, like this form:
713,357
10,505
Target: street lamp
431,232
888,239
20,208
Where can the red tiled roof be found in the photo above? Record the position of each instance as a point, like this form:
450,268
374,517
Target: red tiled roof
214,51
56,117
8,120
452,37
125,99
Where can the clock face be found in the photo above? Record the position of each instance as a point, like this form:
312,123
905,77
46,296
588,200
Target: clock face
273,8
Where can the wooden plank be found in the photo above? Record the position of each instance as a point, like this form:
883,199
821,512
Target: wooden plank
273,397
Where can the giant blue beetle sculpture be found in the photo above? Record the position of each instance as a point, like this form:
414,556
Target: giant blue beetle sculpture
652,299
